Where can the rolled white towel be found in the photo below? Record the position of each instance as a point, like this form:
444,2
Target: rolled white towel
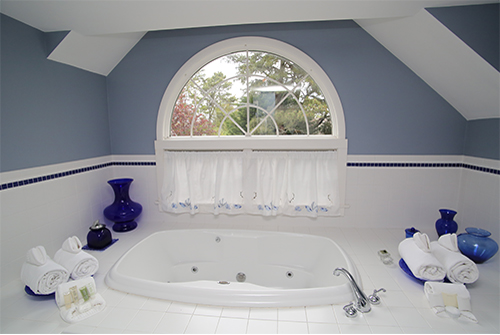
451,298
72,244
37,256
449,241
422,241
422,263
459,268
79,263
40,273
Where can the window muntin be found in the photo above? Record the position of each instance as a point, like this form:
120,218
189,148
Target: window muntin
257,93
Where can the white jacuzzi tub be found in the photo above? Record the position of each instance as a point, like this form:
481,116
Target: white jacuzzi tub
235,268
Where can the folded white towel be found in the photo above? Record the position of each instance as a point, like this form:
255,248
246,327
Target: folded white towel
449,241
459,268
80,264
72,244
421,262
37,256
40,273
422,241
451,298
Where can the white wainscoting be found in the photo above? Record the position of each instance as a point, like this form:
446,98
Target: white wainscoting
62,200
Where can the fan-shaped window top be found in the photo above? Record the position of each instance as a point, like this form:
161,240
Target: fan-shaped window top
251,93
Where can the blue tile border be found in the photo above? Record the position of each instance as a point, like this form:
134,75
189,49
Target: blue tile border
426,165
69,173
34,180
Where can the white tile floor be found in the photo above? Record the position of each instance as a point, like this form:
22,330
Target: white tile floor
404,308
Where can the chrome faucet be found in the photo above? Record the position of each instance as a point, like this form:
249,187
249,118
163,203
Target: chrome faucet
362,302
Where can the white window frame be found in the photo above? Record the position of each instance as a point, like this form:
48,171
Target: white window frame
335,141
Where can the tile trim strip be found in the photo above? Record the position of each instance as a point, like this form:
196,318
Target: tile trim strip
34,180
426,165
69,173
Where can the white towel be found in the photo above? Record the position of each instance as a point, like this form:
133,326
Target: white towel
420,260
79,263
40,273
37,256
449,241
459,268
72,244
451,298
422,241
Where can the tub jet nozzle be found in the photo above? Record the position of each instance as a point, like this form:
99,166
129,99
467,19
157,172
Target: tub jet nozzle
241,277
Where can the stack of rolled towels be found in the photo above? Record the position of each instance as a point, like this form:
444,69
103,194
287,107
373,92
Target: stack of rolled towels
43,275
438,259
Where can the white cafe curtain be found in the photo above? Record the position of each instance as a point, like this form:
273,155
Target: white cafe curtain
254,182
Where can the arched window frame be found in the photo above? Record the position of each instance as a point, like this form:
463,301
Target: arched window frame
335,141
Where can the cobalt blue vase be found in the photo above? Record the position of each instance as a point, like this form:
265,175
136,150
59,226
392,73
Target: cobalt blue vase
123,211
446,225
477,245
411,231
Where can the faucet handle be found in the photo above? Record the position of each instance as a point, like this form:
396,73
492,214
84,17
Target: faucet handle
350,310
374,298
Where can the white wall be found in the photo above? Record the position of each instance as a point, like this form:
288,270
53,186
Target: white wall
47,212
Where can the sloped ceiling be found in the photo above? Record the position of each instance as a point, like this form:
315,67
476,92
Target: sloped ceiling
103,32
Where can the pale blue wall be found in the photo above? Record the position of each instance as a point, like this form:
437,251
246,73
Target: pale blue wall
483,138
53,113
388,109
50,112
476,25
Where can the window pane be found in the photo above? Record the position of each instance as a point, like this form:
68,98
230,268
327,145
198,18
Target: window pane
282,99
235,123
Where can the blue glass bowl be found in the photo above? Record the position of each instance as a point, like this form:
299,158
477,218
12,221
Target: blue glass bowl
477,245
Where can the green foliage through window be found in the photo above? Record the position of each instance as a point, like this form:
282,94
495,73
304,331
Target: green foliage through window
251,93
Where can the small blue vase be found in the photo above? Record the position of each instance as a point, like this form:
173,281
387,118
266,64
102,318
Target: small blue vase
446,225
411,231
123,211
477,245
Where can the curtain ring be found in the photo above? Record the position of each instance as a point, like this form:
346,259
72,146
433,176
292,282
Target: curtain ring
293,197
241,195
330,199
254,195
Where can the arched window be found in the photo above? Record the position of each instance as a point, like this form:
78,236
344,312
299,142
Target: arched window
251,93
227,88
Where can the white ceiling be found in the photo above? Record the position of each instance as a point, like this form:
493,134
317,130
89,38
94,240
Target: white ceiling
102,32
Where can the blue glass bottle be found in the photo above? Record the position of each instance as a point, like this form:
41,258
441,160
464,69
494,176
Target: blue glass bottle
123,211
477,245
446,225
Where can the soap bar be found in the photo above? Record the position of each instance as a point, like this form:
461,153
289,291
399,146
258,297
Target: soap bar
450,299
